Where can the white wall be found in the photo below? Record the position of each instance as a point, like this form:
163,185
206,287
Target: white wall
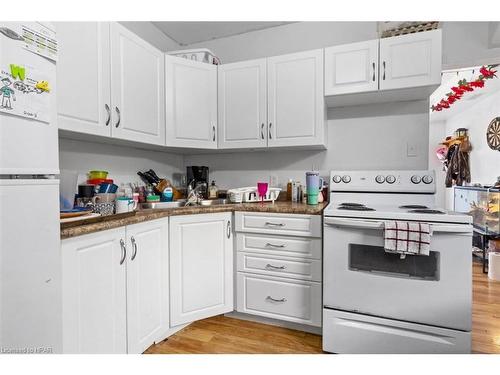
364,137
149,32
294,37
121,162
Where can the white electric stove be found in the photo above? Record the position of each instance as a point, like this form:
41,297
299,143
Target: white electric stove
378,302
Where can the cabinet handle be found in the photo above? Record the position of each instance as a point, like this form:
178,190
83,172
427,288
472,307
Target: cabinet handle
276,300
270,134
124,251
383,64
213,130
228,229
108,110
262,131
134,246
373,66
275,224
275,267
119,117
273,245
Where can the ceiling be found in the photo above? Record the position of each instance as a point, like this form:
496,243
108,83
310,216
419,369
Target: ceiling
185,33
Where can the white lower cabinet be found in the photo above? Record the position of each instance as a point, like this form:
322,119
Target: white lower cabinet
201,266
115,289
279,267
279,298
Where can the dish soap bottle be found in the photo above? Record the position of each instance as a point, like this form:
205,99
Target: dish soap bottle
213,190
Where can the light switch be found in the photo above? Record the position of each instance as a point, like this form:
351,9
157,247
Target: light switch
411,149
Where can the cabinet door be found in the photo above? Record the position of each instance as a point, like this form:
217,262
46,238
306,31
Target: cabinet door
410,60
201,267
147,284
191,103
137,89
242,104
351,68
296,107
94,294
83,77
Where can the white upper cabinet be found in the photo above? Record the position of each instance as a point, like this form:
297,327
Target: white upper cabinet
147,284
351,68
137,89
296,108
201,266
242,104
410,60
83,77
94,293
191,97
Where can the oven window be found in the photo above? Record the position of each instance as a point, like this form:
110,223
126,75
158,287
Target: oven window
374,259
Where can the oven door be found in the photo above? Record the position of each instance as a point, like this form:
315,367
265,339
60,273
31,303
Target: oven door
359,276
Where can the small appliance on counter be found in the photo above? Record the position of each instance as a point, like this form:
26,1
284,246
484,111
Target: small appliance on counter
197,178
250,195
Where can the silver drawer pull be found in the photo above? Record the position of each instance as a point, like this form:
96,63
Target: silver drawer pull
275,267
275,224
276,300
273,245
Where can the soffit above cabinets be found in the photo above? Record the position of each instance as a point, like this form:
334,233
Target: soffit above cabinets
185,33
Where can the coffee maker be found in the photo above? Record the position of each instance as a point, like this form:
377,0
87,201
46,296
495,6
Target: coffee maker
197,177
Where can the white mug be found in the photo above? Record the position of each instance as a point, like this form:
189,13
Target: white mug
125,205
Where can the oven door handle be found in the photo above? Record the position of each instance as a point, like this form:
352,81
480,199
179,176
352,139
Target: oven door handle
465,229
354,223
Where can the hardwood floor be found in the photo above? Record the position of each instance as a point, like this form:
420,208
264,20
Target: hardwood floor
228,335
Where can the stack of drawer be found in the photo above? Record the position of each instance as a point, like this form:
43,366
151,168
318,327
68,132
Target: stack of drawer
279,266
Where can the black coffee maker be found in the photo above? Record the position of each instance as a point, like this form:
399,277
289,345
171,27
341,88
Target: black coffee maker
197,178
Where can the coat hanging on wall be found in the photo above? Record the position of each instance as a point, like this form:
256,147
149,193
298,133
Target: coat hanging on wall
493,134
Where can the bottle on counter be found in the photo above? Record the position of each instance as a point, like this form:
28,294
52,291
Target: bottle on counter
213,191
289,190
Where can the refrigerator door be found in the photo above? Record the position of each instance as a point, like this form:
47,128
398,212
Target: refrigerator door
30,266
27,146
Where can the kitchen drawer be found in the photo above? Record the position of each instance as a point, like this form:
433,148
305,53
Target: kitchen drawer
279,245
295,268
278,298
288,224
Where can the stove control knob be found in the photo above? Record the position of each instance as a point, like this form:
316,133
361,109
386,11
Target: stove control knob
390,179
427,179
346,179
336,178
379,179
415,179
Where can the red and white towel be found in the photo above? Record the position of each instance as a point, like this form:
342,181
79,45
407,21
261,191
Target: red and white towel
405,237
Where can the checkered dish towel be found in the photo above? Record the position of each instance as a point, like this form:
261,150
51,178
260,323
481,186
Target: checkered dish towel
405,237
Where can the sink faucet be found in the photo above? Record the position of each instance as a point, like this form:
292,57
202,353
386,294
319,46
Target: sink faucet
194,195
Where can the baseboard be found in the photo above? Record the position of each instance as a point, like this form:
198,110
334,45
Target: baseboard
275,322
170,332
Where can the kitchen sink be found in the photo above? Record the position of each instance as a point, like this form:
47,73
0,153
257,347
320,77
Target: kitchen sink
213,202
162,205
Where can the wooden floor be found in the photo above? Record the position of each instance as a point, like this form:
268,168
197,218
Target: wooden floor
228,335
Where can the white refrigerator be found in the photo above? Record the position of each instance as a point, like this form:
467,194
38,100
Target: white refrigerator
30,259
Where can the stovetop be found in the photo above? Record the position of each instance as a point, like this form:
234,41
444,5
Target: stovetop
410,212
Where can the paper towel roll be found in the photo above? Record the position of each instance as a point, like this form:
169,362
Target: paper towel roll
494,266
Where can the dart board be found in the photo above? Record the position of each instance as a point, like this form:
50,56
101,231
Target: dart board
493,134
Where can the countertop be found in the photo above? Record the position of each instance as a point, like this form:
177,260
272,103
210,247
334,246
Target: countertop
78,228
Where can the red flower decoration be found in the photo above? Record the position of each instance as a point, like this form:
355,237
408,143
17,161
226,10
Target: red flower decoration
444,103
478,83
457,90
466,87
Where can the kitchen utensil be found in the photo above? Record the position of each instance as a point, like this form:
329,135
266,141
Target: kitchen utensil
108,188
125,204
86,191
97,174
154,175
153,198
87,216
104,198
74,212
104,208
262,189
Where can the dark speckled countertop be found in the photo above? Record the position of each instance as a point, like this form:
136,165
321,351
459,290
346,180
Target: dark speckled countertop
78,228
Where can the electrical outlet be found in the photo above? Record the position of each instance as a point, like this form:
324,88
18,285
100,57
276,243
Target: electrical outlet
411,149
273,180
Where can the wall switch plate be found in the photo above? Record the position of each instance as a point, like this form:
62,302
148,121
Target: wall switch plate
273,181
411,149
